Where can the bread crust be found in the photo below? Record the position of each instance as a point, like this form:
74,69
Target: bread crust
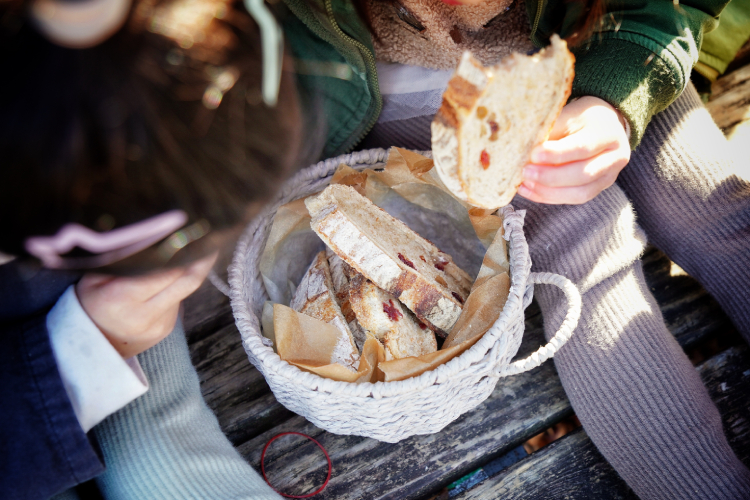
383,317
315,297
391,255
485,129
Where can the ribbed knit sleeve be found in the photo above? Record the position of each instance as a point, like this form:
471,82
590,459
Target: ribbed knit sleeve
630,77
167,444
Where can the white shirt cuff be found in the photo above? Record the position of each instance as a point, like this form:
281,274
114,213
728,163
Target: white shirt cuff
97,379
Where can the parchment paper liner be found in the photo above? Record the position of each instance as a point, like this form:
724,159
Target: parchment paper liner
409,189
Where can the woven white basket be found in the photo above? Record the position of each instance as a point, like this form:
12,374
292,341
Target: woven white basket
390,411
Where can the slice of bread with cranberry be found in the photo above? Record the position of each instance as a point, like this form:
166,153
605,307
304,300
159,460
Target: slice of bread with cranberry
383,317
491,118
391,255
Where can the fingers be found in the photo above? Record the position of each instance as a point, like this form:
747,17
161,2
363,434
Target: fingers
91,280
142,287
575,147
135,343
577,173
568,122
568,195
585,128
136,313
587,149
190,280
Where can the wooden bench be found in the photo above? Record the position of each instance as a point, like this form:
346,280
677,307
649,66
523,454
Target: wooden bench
484,443
480,455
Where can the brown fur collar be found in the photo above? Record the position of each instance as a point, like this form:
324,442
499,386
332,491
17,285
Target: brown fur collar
490,31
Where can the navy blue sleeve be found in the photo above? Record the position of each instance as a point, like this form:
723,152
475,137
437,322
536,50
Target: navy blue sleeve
43,449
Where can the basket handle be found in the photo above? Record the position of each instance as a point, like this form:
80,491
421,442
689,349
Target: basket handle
563,334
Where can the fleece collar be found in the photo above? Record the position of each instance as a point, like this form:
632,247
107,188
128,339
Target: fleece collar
432,34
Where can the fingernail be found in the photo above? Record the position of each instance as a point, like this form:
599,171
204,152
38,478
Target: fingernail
524,191
530,173
537,155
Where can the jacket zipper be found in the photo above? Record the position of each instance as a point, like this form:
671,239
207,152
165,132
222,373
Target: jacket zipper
535,26
372,77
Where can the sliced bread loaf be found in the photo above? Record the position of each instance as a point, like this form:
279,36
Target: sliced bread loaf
315,297
341,272
390,255
383,317
491,119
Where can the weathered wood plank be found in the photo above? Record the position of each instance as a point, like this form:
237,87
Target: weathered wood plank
205,311
729,106
730,100
569,468
365,468
727,377
232,387
572,468
690,313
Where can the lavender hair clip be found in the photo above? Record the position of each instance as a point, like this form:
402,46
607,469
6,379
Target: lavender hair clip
110,247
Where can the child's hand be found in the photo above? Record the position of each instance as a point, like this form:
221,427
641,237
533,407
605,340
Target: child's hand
135,313
585,152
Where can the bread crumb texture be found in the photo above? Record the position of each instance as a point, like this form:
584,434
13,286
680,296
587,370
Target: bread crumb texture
491,118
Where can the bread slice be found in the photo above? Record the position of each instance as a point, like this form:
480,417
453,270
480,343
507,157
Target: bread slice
390,255
315,297
383,317
491,119
341,272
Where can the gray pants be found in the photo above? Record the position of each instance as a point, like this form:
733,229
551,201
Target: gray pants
633,388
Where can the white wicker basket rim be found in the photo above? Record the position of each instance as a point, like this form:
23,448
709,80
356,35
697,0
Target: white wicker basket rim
520,296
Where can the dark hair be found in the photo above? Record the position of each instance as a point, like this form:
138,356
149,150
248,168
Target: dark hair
145,122
590,17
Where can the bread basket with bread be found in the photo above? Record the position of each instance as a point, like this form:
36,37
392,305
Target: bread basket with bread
394,410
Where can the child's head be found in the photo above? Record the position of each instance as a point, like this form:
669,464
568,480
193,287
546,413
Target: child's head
165,114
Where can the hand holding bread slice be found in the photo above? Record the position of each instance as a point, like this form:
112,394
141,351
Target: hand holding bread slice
491,119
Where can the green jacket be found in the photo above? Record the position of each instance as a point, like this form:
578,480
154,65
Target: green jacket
639,60
721,45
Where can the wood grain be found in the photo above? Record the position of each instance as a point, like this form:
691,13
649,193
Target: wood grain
569,468
572,468
690,313
727,377
730,101
520,407
205,311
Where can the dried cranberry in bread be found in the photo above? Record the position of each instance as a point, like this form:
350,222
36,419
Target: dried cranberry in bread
382,315
491,119
390,255
315,297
